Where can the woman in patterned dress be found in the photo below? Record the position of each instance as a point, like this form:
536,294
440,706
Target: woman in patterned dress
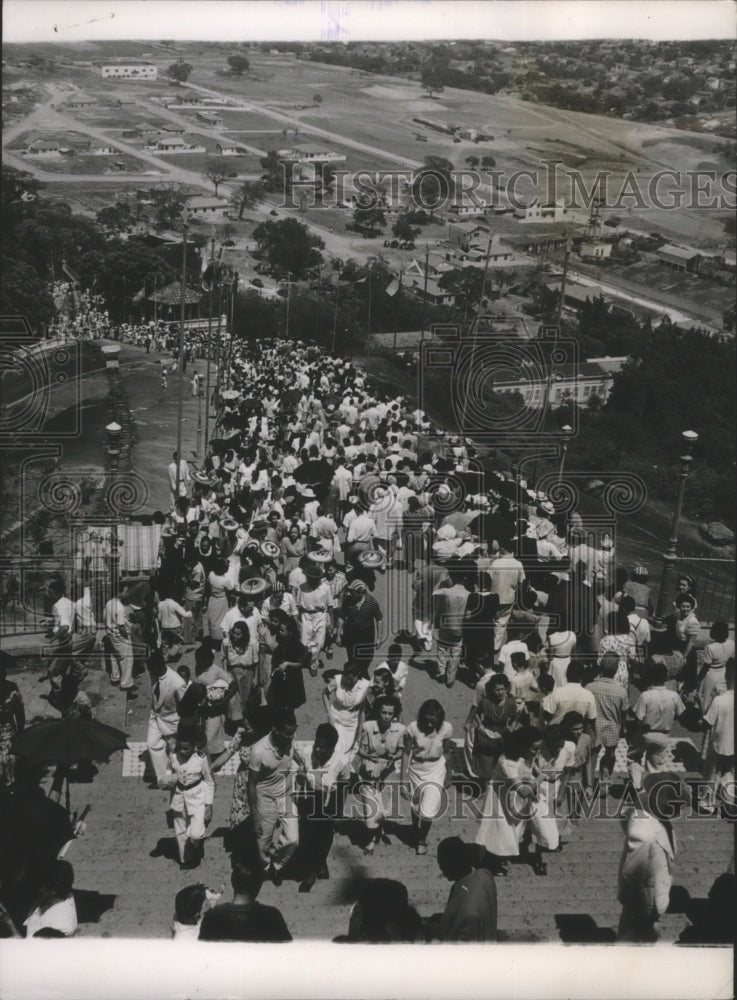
240,812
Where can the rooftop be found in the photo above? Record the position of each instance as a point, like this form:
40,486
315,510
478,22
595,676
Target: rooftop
680,253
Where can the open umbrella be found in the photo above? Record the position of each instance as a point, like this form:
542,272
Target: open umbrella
69,741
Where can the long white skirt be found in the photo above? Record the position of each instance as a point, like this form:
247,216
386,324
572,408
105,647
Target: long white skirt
427,787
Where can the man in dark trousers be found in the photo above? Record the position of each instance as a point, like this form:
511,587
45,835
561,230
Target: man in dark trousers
244,919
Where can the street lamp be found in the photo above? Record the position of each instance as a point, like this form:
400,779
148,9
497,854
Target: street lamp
670,557
113,432
567,432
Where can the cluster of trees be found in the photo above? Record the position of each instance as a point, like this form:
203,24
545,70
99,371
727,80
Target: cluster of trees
39,234
571,75
36,235
675,380
289,247
179,71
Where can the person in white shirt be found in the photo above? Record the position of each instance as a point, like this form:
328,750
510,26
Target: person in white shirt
316,780
507,576
192,788
171,615
84,637
116,643
719,756
59,652
397,667
56,909
361,531
167,688
179,479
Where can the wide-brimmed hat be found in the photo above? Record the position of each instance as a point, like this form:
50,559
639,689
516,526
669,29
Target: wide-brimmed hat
202,478
370,559
254,586
229,524
269,549
319,557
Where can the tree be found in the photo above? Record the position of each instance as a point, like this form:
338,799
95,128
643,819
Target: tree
465,283
488,161
404,230
432,185
179,71
122,270
288,246
247,196
368,217
432,77
115,218
473,161
317,99
238,65
24,293
275,177
19,189
219,173
168,205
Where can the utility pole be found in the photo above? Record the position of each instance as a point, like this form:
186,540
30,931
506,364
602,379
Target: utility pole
563,285
209,347
424,298
180,379
289,293
335,314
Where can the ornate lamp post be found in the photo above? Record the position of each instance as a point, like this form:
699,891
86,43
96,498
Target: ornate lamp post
670,556
113,432
567,431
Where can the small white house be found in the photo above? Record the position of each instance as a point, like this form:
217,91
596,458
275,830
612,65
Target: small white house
230,149
536,211
202,207
310,153
595,250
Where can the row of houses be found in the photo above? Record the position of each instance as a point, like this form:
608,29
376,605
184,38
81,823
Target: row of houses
55,149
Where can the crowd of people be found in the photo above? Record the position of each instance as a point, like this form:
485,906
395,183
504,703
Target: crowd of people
315,485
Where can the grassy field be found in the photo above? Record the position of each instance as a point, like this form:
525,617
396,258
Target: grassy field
94,164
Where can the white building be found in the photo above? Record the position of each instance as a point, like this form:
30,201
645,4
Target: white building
536,211
129,71
575,383
207,208
593,249
310,153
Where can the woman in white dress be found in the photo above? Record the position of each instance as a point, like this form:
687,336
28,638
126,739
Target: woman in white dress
425,773
510,795
344,698
561,644
555,761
